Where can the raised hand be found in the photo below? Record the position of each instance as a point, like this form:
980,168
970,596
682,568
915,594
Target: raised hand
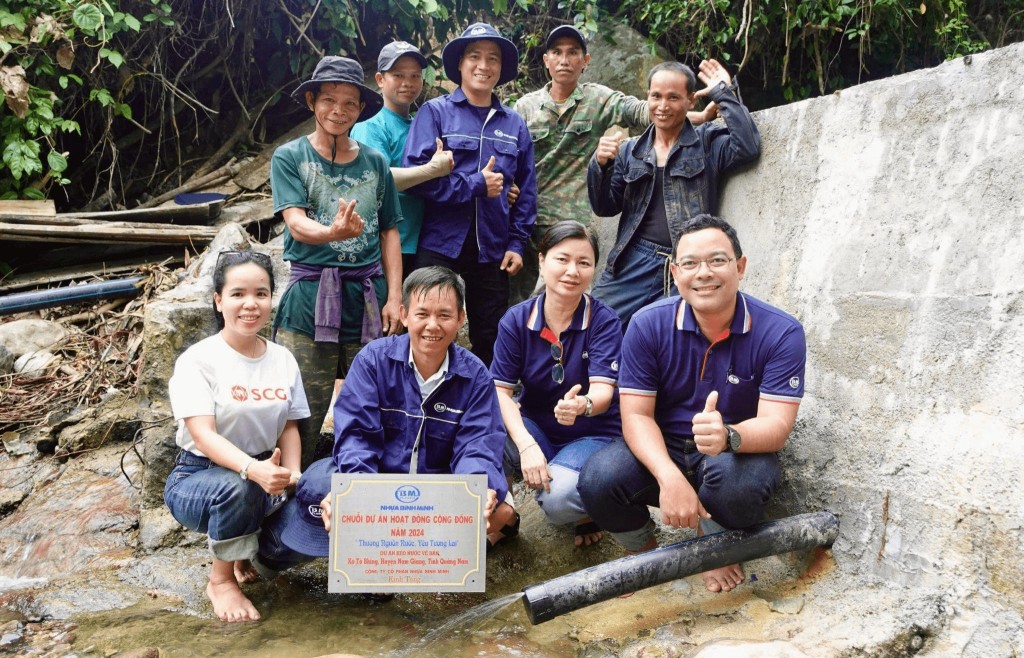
494,179
607,148
442,158
569,406
347,223
709,431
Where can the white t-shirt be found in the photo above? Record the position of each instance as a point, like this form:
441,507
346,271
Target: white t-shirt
250,399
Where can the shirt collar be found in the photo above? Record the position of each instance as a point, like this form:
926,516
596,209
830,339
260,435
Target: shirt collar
437,375
580,318
741,320
459,96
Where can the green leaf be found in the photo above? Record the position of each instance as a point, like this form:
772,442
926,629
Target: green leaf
149,18
124,110
33,193
22,157
8,19
102,96
88,17
429,6
5,47
132,23
56,161
63,81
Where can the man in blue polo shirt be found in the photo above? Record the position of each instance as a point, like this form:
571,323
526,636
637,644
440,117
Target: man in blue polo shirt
709,385
468,224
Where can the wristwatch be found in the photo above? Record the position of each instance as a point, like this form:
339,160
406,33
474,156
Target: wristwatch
590,406
244,473
733,440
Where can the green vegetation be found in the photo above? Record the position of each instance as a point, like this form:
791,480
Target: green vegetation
107,101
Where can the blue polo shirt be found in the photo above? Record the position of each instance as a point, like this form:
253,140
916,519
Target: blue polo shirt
664,354
590,353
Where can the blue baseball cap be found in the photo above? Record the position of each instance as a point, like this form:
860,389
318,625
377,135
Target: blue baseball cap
391,53
303,522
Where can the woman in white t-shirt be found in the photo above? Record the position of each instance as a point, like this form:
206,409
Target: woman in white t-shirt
237,399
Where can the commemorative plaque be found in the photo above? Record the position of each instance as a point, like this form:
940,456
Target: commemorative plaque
407,533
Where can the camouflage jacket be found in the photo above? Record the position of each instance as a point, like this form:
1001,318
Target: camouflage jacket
563,144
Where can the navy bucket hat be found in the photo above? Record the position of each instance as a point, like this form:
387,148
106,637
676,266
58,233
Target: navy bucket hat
303,524
454,49
340,70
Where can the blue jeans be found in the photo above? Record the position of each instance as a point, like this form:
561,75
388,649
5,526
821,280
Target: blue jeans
642,277
616,489
562,504
207,498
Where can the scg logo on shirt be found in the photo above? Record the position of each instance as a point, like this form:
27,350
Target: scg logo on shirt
242,394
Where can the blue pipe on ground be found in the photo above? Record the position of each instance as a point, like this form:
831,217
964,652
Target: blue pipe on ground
635,572
30,301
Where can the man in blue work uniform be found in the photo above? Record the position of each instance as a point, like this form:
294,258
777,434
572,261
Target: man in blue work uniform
414,403
709,388
468,224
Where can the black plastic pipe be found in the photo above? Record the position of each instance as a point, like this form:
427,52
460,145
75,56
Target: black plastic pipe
599,583
30,301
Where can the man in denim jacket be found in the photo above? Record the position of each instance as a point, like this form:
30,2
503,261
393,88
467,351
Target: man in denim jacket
468,224
662,178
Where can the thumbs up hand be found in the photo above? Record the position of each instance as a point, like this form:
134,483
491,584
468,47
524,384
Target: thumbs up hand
709,431
570,406
494,179
269,474
442,159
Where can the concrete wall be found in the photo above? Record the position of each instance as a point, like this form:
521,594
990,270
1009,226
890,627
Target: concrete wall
887,219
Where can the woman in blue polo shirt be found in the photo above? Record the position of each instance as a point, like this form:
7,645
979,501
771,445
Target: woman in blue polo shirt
563,346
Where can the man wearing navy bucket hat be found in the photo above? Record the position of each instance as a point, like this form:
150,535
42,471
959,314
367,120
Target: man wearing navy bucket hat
341,212
468,223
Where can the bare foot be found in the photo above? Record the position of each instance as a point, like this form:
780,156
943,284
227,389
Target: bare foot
587,533
724,579
245,572
229,603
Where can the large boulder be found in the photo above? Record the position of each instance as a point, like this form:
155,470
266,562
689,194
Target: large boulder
620,58
31,335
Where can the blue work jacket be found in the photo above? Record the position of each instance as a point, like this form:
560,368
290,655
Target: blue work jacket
693,171
455,203
380,414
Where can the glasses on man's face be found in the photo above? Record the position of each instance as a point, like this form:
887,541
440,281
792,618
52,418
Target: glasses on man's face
239,257
714,263
557,370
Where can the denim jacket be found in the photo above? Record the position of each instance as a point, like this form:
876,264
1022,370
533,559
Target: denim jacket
381,415
692,172
458,201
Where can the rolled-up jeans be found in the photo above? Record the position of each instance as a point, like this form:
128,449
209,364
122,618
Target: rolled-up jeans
562,504
208,498
616,489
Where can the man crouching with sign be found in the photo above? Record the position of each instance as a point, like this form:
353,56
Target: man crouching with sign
414,403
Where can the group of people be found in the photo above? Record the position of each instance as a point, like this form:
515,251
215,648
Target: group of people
664,386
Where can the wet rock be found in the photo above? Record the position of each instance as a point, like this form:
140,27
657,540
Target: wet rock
10,499
159,451
87,513
621,58
144,652
34,363
743,649
15,446
8,640
115,420
6,361
158,529
31,335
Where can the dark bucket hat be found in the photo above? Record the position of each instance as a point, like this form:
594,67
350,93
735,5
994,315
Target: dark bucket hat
394,51
340,69
455,48
570,31
303,521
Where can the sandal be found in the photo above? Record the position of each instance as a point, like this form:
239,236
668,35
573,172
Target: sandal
582,530
508,532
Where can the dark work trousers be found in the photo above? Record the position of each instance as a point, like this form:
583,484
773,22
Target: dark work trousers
486,293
